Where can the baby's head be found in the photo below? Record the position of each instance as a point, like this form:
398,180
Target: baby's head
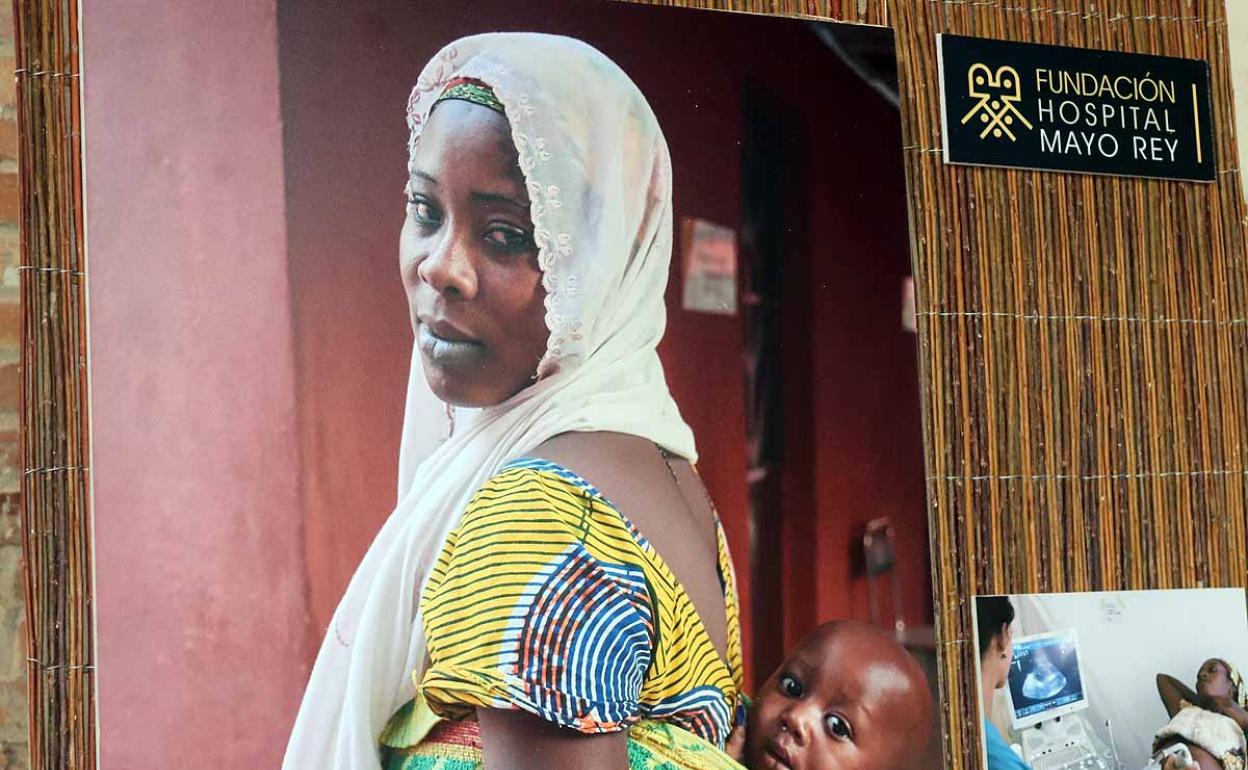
849,697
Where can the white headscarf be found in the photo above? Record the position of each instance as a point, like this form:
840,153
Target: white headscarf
599,182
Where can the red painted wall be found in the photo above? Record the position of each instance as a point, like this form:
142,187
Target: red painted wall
203,639
865,418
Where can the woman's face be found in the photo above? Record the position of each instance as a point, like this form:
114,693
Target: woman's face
468,259
1213,680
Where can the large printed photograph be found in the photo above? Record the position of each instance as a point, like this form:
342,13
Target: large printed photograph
508,385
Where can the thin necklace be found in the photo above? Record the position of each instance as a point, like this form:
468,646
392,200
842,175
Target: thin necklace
667,460
684,498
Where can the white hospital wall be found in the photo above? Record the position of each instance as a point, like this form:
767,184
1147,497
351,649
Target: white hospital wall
1169,632
1237,26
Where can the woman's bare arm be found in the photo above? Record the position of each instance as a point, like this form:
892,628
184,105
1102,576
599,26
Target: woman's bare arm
1172,691
515,740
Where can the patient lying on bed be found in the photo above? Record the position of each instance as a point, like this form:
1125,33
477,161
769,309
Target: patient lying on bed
1211,721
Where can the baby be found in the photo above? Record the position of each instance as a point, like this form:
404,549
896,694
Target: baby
849,697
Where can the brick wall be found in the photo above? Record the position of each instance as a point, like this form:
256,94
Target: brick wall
13,715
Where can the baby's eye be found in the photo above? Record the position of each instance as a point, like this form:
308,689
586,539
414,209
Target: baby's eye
837,727
790,686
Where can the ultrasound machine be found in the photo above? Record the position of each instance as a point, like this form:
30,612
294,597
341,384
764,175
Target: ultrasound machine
1046,694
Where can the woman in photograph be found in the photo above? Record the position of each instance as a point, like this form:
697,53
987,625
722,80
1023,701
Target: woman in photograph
554,586
993,616
1211,721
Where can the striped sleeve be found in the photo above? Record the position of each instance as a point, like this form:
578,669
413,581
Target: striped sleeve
539,602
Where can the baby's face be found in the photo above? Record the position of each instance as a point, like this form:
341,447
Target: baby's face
836,702
1213,680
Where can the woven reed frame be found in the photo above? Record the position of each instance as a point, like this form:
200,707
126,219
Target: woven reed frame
54,444
1083,343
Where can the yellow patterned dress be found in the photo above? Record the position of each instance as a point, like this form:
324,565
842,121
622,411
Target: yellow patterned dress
547,599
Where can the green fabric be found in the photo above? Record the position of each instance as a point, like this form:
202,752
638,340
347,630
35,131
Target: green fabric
651,746
472,92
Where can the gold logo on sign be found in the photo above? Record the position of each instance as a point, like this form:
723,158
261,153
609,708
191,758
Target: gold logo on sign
999,94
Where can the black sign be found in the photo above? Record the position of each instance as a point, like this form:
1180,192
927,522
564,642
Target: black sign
1075,109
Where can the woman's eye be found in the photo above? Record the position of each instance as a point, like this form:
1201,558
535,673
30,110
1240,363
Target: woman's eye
790,686
423,211
509,239
838,727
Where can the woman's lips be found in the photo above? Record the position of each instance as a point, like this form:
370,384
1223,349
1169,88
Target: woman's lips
446,330
444,344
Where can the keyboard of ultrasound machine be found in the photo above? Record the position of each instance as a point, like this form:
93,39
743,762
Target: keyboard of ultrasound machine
1070,758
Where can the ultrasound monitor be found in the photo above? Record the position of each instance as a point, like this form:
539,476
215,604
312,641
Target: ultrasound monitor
1046,680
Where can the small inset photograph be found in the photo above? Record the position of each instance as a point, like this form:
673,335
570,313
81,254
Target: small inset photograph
1130,680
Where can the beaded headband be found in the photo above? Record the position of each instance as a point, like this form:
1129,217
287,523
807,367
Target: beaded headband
470,90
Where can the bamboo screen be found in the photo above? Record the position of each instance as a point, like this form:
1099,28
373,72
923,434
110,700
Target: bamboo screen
1083,343
54,446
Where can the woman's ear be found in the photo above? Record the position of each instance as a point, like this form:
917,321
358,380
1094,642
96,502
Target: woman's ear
1000,641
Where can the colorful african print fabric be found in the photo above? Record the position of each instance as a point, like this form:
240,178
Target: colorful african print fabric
457,746
1237,684
547,599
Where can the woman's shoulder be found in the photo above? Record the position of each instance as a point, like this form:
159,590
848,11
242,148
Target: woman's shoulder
603,456
536,499
631,471
533,485
566,474
530,520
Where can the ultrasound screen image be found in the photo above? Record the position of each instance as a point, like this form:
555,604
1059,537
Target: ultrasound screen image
1044,674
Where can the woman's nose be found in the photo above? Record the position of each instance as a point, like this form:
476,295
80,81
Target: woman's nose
448,266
